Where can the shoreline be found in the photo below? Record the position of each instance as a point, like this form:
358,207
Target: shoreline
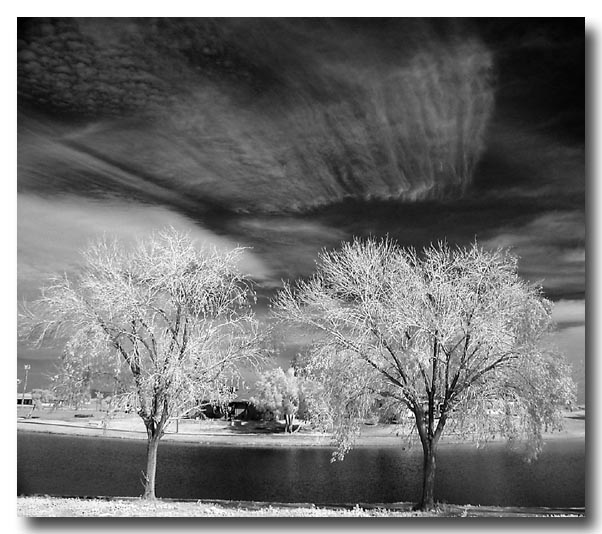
223,434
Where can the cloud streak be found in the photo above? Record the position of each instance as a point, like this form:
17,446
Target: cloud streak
327,113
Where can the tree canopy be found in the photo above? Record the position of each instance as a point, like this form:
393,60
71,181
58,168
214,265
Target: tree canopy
450,336
169,323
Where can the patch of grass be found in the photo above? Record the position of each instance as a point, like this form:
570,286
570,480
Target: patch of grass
75,507
136,507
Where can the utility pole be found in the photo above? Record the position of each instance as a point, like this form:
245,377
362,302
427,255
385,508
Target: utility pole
27,368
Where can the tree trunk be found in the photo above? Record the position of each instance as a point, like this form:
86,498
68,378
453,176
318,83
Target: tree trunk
152,446
288,423
429,438
428,477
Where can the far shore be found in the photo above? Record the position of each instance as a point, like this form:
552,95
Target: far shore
241,433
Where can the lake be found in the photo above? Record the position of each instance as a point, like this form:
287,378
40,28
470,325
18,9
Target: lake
494,475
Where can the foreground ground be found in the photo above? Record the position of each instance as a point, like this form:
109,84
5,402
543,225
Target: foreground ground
72,507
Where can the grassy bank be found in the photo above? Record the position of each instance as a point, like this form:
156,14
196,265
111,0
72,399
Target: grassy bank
133,507
247,433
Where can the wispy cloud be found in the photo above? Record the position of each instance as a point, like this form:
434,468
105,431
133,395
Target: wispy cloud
319,113
551,248
52,233
569,311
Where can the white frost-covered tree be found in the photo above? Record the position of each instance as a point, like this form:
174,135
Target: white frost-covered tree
452,337
279,392
170,323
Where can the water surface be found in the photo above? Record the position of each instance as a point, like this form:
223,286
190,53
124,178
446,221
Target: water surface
88,466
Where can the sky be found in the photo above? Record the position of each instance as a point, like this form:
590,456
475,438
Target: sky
290,135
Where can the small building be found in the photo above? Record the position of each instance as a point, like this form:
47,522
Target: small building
239,409
24,399
243,410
